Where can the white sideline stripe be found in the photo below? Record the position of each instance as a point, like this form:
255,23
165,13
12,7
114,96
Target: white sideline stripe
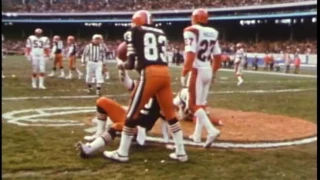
266,73
257,145
123,95
12,117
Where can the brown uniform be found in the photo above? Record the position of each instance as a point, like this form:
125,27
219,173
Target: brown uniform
146,51
58,54
72,56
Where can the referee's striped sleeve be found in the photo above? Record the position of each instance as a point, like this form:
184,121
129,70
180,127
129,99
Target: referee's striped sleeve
85,53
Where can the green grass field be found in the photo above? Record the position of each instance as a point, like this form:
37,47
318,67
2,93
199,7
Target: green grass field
30,152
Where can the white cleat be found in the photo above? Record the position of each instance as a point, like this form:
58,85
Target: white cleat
42,87
51,74
80,76
191,137
69,77
83,149
114,155
107,77
211,138
34,86
240,82
61,76
3,76
91,138
181,158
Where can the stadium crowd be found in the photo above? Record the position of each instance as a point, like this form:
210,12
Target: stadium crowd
127,5
260,47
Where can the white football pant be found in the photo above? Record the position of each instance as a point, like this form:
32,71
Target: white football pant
94,69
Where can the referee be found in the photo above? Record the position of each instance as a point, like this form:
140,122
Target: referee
93,57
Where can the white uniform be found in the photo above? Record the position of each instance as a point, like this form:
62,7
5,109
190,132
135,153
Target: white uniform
203,41
239,61
94,57
37,53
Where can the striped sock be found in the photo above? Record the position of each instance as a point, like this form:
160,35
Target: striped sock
126,139
178,138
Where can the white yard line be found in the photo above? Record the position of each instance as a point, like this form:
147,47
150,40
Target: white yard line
265,73
15,117
127,94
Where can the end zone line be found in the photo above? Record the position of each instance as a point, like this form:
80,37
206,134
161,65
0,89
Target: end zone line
266,73
127,94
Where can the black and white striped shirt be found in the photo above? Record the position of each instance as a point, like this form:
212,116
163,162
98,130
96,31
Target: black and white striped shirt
94,53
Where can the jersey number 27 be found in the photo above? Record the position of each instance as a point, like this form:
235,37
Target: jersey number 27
206,50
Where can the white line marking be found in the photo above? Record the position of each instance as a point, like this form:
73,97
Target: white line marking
124,95
243,145
11,118
262,72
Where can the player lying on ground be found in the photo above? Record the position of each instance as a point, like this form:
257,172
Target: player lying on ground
107,108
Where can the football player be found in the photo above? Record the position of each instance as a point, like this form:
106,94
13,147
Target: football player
72,57
106,107
239,63
57,56
147,54
105,71
37,51
201,47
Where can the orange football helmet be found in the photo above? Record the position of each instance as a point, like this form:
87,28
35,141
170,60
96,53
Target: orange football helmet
70,39
141,18
56,38
200,16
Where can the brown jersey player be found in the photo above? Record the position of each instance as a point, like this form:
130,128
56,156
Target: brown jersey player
72,57
57,56
147,53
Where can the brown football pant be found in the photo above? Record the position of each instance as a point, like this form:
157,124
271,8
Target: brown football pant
154,80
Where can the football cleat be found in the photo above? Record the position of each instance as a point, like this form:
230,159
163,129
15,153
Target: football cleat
181,158
81,148
114,155
211,138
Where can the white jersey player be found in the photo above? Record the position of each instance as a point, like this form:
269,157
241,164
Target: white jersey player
239,62
201,47
37,51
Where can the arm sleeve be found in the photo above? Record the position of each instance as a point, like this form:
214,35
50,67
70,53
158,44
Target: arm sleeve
70,51
126,80
29,43
131,51
216,49
85,52
190,41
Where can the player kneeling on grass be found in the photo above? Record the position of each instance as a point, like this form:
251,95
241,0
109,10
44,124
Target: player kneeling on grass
108,108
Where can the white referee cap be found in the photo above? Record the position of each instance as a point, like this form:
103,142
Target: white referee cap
97,36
